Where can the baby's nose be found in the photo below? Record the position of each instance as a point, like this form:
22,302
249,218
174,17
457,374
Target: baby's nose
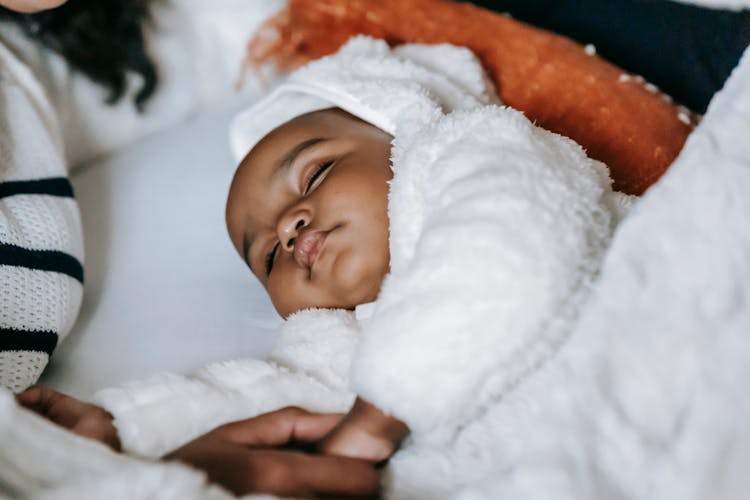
289,230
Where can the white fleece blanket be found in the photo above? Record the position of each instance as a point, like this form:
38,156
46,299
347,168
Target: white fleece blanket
654,401
645,399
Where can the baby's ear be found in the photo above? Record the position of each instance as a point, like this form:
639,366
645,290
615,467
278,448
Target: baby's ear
320,342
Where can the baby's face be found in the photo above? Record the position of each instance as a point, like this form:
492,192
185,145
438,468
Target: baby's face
308,211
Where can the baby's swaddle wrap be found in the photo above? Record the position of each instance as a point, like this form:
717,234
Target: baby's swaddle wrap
496,226
497,229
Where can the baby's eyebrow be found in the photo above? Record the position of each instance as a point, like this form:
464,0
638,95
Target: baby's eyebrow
286,161
282,166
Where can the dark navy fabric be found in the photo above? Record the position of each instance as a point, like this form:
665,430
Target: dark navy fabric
686,51
41,260
53,186
12,339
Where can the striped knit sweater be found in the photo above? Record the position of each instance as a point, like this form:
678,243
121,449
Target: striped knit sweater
197,46
41,243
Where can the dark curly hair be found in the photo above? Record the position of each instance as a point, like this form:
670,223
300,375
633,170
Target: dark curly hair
101,39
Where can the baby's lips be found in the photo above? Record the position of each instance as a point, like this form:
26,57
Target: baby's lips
307,247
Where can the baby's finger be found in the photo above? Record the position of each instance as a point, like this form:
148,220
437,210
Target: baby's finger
365,432
357,443
279,428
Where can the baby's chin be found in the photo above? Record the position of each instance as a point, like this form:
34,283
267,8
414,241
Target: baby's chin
355,282
359,281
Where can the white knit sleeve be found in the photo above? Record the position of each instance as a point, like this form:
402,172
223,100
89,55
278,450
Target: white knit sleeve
41,244
496,228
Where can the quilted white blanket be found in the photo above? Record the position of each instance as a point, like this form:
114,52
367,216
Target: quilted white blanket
645,399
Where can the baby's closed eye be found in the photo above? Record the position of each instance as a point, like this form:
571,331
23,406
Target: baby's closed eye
271,257
317,175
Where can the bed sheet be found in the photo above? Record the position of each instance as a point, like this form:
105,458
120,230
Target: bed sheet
165,290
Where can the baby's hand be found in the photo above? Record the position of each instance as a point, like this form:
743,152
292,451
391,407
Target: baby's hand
84,419
366,433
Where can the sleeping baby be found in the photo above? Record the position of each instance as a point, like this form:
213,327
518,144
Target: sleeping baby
428,248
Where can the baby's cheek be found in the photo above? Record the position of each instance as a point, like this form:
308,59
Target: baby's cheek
358,276
287,298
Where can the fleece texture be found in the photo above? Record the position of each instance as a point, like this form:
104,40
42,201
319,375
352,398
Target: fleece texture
497,231
648,399
397,90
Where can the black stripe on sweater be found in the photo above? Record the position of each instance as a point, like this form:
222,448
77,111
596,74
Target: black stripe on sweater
42,260
12,339
53,186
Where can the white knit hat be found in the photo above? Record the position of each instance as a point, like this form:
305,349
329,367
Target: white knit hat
382,86
287,102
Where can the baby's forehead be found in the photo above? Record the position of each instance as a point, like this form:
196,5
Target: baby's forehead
289,134
259,167
315,126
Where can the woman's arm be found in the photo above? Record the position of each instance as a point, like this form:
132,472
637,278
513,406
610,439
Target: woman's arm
41,242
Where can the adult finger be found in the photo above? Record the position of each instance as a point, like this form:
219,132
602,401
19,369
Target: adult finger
299,474
284,473
55,406
39,398
279,427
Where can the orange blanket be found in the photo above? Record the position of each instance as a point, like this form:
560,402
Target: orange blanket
558,84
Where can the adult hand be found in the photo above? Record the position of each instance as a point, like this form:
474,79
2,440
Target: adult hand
258,455
82,418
